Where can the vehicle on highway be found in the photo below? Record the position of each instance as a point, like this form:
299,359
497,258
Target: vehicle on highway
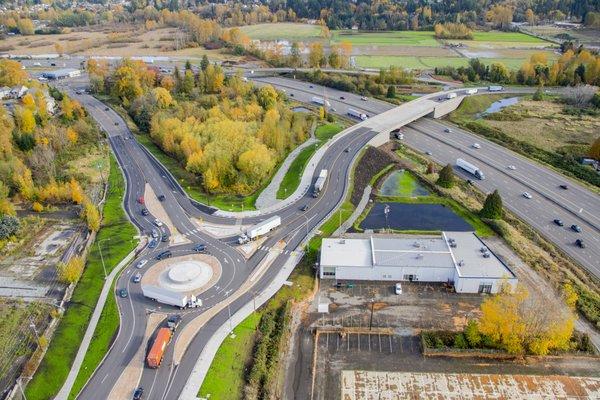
139,392
564,187
199,248
170,297
154,234
291,94
450,96
157,222
398,288
145,211
123,293
105,108
116,124
260,229
79,92
347,150
42,79
448,130
153,243
310,86
157,351
173,321
137,278
471,91
428,153
164,254
476,146
141,264
304,208
580,243
37,64
576,228
559,222
319,183
356,114
161,197
512,167
495,88
333,109
527,195
470,168
342,98
321,101
53,64
164,238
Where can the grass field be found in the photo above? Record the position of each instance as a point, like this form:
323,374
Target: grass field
512,37
409,62
291,179
283,30
399,38
116,239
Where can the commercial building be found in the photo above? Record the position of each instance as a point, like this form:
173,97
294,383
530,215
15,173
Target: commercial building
62,73
459,258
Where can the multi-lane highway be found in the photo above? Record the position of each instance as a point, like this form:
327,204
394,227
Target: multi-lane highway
140,169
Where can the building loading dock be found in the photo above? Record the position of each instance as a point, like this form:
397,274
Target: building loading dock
460,258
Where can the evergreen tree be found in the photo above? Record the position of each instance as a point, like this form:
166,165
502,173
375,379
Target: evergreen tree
492,208
446,177
539,94
391,92
204,63
188,65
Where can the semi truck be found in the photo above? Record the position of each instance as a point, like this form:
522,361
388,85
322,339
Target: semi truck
471,91
260,229
157,351
470,168
320,183
353,113
451,95
170,297
321,101
495,88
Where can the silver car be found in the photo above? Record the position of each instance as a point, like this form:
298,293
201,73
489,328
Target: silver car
137,278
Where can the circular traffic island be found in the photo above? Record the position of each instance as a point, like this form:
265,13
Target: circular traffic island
191,274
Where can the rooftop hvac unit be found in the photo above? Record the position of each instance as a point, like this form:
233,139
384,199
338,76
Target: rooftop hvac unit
453,244
342,241
461,263
486,255
416,244
419,256
483,249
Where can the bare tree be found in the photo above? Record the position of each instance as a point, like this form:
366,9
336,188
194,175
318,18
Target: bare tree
579,96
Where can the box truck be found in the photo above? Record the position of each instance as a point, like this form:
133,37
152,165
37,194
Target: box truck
470,168
495,88
320,183
157,351
321,101
170,297
260,229
353,113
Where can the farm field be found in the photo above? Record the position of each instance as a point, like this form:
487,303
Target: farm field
397,38
585,36
284,30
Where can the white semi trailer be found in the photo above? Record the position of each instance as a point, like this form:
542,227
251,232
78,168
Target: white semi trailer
471,91
495,88
321,101
170,297
470,168
320,183
260,229
353,113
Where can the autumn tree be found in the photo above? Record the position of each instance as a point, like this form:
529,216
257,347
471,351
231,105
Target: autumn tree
25,120
91,215
594,151
71,271
25,26
267,97
11,73
501,15
492,207
316,55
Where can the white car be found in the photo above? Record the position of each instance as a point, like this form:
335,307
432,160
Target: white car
526,195
363,98
511,167
141,264
476,146
137,278
398,288
158,223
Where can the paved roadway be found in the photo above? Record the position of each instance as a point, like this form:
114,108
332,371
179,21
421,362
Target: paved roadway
167,381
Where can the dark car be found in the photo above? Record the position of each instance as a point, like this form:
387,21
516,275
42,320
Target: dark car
161,197
153,243
139,392
563,186
164,238
123,293
145,211
164,254
559,222
579,243
105,108
342,98
199,248
346,150
291,94
174,321
576,228
53,64
116,124
304,207
310,86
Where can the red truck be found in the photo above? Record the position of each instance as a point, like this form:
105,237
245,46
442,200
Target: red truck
157,351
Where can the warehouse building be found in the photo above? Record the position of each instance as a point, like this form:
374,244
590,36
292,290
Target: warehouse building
62,73
460,258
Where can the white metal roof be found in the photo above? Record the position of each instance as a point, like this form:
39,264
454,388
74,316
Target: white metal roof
470,262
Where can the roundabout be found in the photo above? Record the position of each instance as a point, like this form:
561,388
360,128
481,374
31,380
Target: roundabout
191,274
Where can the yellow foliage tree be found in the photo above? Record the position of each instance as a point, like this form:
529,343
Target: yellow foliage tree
72,135
91,216
37,207
77,195
28,102
11,73
70,272
25,26
25,120
162,96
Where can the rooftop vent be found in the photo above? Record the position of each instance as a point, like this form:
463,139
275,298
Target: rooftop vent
342,241
461,263
416,244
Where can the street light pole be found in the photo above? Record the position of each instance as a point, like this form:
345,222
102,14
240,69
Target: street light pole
101,257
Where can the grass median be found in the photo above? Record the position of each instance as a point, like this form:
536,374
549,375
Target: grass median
116,239
292,177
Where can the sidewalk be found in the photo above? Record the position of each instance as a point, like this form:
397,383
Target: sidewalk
64,392
347,224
